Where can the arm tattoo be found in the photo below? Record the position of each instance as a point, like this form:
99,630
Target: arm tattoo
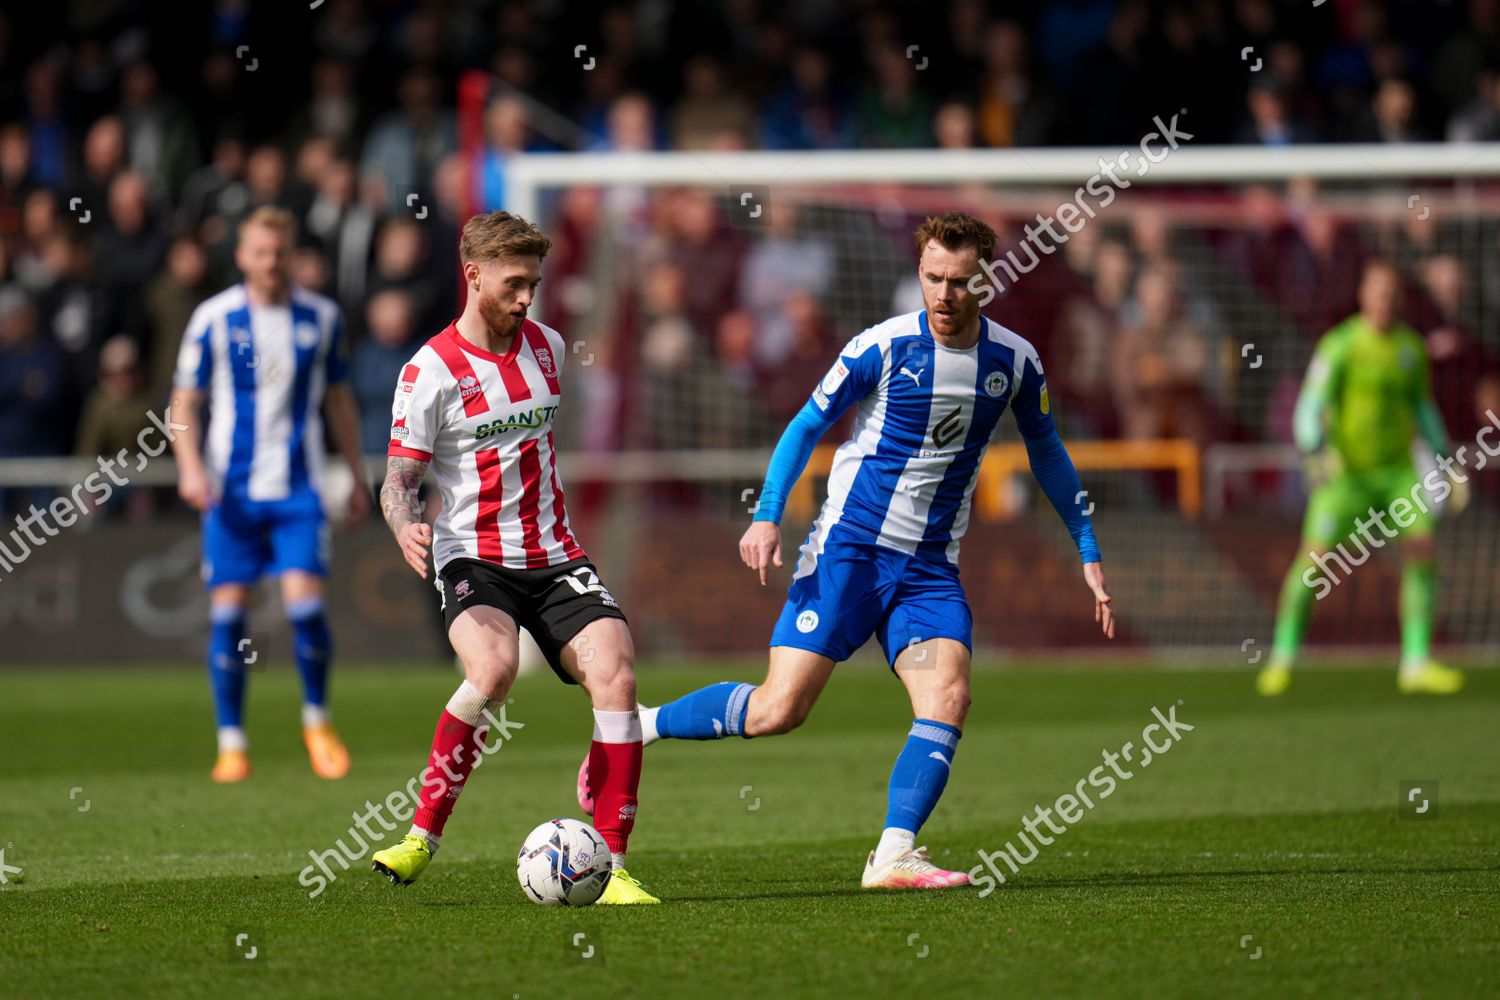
398,497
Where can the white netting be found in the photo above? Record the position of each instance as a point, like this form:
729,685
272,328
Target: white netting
1184,311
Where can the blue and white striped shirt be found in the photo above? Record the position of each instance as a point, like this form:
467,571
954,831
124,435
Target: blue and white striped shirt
925,415
265,369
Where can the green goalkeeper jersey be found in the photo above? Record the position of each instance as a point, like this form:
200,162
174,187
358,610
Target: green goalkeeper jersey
1368,394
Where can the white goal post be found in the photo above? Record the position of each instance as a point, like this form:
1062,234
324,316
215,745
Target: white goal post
529,175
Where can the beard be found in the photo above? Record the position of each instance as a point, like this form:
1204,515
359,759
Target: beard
272,284
953,321
497,316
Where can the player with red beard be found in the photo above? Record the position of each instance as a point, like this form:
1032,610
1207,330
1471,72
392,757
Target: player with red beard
475,405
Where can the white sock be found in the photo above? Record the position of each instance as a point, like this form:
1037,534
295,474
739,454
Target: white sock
616,861
893,843
432,840
649,734
468,704
232,738
314,715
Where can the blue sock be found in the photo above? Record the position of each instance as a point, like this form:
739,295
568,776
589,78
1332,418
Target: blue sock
313,646
920,774
710,713
226,664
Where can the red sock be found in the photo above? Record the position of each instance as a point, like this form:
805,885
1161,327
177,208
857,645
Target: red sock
615,775
455,749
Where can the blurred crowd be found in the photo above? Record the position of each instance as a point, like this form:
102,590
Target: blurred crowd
134,136
1185,315
1194,318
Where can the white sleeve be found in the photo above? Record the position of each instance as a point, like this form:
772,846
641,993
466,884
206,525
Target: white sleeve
414,413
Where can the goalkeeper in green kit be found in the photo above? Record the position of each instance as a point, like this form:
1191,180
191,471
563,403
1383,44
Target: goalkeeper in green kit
1366,398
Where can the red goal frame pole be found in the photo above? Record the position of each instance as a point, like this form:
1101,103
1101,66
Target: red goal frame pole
472,97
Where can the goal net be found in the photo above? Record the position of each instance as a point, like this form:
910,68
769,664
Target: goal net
1175,307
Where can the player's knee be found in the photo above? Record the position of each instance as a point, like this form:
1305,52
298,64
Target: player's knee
611,682
961,700
231,596
491,674
775,716
948,703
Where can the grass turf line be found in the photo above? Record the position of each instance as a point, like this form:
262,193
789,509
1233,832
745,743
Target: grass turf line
1275,819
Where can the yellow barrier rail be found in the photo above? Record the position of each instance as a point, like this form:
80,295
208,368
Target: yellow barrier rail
992,502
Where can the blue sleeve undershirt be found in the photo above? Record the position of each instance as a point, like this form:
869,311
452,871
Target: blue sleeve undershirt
1054,471
790,458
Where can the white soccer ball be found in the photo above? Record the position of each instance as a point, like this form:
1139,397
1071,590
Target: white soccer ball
564,862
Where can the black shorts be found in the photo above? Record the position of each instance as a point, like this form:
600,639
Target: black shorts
553,604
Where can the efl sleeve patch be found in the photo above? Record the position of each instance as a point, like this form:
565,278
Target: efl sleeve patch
835,377
404,389
195,357
1032,404
853,376
189,360
412,429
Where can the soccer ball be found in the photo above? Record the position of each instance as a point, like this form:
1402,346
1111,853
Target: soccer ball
564,862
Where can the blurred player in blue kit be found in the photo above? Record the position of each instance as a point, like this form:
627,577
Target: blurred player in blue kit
268,357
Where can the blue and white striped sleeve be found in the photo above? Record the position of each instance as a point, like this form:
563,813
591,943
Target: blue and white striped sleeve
855,374
195,358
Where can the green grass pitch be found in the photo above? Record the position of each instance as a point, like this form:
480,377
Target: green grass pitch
1264,855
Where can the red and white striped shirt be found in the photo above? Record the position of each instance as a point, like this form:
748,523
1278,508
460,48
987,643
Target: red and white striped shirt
484,423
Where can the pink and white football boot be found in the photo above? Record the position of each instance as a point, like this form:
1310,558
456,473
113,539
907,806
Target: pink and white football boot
909,870
585,797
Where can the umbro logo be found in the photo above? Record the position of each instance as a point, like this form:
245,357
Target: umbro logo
545,363
948,429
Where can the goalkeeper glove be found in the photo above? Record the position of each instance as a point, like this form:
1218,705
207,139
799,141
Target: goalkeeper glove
1458,500
1320,466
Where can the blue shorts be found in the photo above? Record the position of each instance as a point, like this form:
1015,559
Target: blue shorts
857,589
244,540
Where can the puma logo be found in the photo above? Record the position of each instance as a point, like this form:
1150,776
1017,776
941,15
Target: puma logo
915,377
